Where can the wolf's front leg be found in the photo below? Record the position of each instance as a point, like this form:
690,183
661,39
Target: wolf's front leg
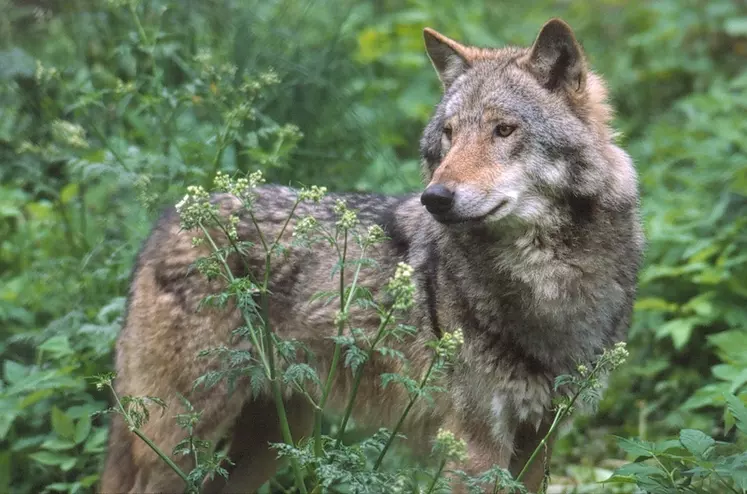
507,445
529,438
487,446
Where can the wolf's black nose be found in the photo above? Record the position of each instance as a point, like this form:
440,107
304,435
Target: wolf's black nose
437,199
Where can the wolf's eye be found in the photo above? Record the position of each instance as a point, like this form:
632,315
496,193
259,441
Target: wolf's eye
503,130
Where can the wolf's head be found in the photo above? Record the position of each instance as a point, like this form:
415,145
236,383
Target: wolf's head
517,131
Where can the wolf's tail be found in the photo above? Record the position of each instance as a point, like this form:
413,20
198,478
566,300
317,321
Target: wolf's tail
120,470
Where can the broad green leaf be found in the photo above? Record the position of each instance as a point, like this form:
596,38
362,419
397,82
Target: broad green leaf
679,330
58,444
68,464
656,304
635,447
13,371
49,458
707,396
58,346
738,410
89,480
635,472
59,487
6,421
696,442
68,193
736,26
731,345
35,397
62,424
15,62
96,442
82,429
5,471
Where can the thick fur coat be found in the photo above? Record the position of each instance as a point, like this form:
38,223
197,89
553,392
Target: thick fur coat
526,236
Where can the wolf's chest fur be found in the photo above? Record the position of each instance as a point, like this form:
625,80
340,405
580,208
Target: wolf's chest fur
528,311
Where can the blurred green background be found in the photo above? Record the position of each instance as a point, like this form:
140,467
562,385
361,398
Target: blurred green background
108,109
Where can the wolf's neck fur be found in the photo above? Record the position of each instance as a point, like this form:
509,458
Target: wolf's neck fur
526,291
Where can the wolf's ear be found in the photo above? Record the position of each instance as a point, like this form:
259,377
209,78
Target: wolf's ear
556,59
449,58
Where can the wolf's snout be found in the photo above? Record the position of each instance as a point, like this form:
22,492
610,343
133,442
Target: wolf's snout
437,199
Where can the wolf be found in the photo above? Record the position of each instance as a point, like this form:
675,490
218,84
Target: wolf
527,236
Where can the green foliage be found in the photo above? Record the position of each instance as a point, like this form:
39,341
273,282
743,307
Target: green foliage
108,108
695,462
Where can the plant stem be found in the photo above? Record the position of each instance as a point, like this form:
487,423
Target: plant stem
280,406
151,444
276,384
404,414
138,24
335,355
561,414
437,476
359,376
257,343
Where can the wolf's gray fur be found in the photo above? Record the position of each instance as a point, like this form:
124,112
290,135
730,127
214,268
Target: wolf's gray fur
530,242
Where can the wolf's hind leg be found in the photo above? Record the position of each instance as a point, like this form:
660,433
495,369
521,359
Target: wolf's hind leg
219,410
254,461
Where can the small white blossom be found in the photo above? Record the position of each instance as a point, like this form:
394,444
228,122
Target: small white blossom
195,208
618,355
304,227
450,343
401,287
375,235
69,133
314,194
450,446
233,221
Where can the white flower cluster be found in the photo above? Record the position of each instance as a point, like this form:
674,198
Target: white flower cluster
401,287
195,208
452,447
69,134
450,343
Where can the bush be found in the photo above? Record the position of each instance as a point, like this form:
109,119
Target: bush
108,109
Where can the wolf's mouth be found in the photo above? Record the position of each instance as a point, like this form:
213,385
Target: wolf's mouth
451,219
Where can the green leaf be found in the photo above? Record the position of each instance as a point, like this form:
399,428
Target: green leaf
35,397
736,26
655,304
62,424
96,442
57,444
58,346
49,458
82,429
5,471
709,395
731,345
68,193
635,447
68,464
696,442
738,410
90,480
679,330
15,62
6,421
13,371
59,487
634,473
